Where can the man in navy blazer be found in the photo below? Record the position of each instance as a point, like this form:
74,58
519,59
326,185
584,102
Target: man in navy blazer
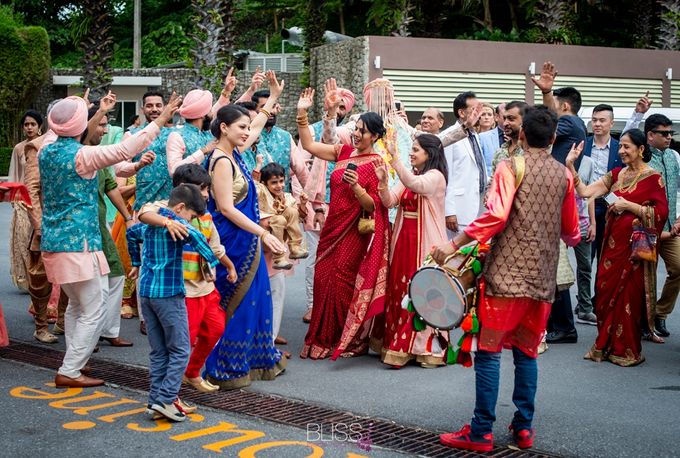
603,149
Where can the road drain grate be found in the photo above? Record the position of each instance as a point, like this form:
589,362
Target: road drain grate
383,433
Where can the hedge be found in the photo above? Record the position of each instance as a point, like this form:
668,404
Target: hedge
25,57
5,156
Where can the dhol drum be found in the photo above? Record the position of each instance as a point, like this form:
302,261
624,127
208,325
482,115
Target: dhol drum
441,295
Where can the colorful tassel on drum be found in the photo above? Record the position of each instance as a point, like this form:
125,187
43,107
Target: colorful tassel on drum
418,323
467,343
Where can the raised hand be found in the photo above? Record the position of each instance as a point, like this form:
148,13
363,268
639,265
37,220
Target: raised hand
86,97
229,83
108,102
547,77
381,173
275,88
306,99
332,96
574,153
643,105
257,80
473,117
169,109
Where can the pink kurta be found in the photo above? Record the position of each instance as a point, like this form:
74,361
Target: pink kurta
420,225
71,267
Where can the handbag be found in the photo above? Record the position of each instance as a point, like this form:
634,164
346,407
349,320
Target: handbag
366,223
643,244
643,238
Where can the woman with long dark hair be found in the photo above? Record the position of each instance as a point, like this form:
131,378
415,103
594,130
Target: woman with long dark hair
246,351
625,288
20,227
351,259
420,224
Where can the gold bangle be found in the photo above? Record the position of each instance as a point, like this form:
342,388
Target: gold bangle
381,187
225,94
262,110
364,192
577,181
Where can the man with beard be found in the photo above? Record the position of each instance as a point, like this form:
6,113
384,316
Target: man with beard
107,186
512,123
275,145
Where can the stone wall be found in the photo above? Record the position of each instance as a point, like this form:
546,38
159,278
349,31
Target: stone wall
347,62
288,100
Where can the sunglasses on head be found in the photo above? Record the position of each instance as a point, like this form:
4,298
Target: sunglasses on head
665,133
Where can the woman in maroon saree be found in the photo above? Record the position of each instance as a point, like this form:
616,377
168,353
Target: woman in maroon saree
625,289
351,267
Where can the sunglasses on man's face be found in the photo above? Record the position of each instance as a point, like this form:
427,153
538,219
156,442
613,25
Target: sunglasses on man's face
664,133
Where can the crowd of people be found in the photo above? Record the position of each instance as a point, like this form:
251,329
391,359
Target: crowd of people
212,216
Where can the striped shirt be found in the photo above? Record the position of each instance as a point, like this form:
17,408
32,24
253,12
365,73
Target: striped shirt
161,273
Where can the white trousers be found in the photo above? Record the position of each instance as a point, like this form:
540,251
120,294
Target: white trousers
312,245
111,327
277,284
83,320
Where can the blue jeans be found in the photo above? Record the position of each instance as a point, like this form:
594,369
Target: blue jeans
167,328
487,375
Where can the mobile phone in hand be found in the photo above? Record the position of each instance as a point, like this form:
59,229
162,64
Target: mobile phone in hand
610,198
350,166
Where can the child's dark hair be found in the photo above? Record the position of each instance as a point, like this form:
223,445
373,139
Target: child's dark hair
192,174
271,170
189,195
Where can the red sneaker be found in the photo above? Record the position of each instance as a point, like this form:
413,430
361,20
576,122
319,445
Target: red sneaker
464,439
524,438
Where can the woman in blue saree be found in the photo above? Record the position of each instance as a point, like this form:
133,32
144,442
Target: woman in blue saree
246,351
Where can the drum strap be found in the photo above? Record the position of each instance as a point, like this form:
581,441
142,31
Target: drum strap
518,162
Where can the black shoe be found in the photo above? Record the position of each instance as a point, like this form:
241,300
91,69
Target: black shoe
660,326
562,337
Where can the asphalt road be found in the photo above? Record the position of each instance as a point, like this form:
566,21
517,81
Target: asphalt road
40,420
583,408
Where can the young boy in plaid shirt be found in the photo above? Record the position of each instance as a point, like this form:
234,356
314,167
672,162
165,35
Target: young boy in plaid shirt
161,290
207,319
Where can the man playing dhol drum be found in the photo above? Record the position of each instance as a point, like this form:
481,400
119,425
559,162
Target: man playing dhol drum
519,276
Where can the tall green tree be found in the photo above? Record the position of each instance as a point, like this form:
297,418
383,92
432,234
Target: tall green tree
213,41
97,45
669,30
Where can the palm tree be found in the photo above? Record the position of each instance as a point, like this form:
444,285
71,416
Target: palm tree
97,45
213,41
669,29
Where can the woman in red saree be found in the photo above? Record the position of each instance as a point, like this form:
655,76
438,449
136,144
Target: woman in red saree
625,289
351,267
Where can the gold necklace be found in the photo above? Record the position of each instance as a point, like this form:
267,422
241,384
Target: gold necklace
635,180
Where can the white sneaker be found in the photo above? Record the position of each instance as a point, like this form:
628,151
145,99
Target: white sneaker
169,411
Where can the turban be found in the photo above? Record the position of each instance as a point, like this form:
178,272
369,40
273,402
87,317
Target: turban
68,118
347,99
196,104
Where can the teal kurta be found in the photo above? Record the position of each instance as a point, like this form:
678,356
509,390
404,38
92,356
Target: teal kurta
69,201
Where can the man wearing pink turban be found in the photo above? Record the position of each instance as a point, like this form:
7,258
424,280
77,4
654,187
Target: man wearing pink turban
190,144
71,240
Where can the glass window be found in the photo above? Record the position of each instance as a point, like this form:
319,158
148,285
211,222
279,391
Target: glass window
121,115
